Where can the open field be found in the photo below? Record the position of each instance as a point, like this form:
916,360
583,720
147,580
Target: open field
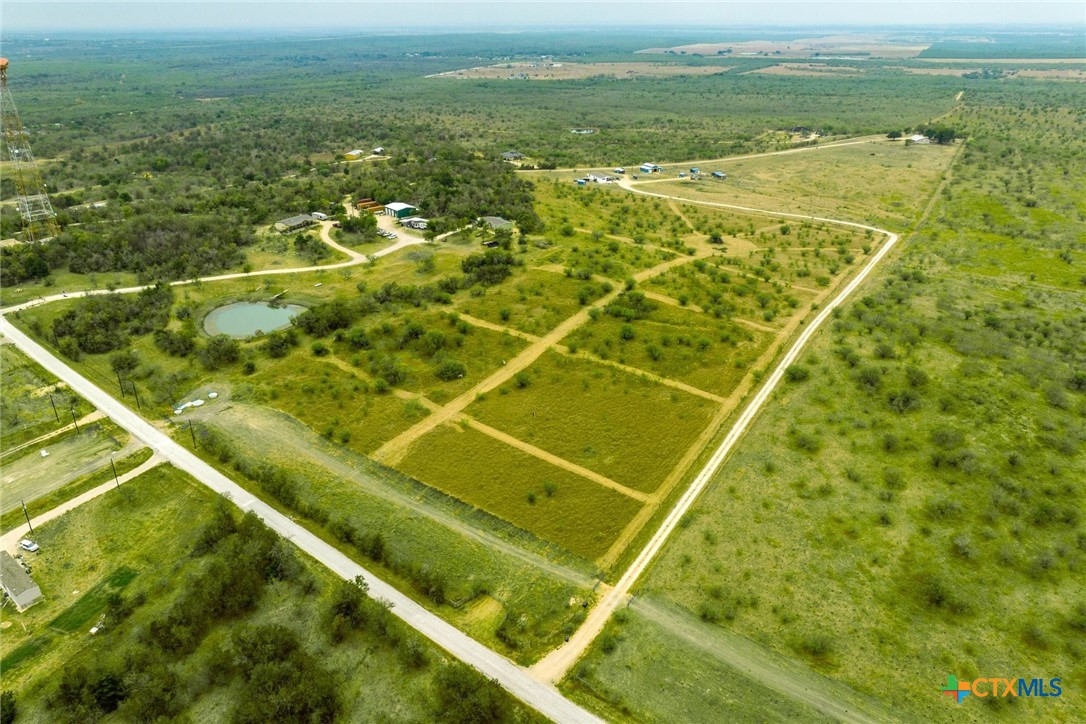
546,500
25,409
875,46
836,535
577,71
883,183
815,70
71,456
124,545
596,416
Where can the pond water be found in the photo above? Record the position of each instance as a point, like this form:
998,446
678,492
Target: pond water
244,319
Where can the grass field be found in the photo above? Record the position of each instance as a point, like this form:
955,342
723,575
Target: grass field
479,556
705,352
533,301
924,471
882,183
25,410
597,417
125,543
553,503
70,456
14,518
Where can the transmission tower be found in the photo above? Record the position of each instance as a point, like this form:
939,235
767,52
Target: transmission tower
39,219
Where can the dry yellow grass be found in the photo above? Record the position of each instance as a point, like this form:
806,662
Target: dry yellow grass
807,69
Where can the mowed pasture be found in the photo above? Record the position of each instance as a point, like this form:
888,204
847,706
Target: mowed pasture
884,183
553,503
615,423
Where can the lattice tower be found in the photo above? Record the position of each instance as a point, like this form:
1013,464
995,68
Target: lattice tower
39,219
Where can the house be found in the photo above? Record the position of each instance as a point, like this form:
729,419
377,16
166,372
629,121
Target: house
355,155
918,139
650,168
415,222
294,223
399,210
378,151
512,155
497,222
720,175
17,583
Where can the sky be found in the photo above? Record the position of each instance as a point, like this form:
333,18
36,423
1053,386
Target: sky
356,15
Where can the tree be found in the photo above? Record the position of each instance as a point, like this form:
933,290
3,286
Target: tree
8,707
893,135
220,350
464,696
450,370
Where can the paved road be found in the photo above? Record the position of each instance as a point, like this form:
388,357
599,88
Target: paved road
543,697
557,663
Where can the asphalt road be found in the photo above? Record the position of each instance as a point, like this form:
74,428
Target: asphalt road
542,696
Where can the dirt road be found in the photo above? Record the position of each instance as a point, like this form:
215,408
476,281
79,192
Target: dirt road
765,667
555,665
539,695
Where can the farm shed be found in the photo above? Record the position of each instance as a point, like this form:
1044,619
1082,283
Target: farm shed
17,583
399,209
650,168
497,222
354,155
294,222
512,155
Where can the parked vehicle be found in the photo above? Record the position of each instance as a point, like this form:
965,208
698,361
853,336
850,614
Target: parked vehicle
29,545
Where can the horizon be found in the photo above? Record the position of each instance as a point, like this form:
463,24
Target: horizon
350,18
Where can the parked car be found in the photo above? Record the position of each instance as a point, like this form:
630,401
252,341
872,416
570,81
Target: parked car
29,545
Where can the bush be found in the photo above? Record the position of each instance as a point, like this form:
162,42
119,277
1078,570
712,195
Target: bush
796,373
450,370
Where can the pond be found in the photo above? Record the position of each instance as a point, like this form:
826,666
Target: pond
244,319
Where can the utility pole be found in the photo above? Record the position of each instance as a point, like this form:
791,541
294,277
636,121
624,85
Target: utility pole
71,408
118,482
120,383
55,413
193,435
28,525
137,394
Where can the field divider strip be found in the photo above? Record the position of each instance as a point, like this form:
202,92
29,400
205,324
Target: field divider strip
553,459
666,381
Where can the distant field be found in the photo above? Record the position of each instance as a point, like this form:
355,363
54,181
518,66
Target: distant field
808,69
860,45
576,71
882,182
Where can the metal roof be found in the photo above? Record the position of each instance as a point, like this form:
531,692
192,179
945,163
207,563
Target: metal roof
15,580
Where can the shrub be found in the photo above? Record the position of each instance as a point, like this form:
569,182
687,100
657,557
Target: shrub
450,370
796,373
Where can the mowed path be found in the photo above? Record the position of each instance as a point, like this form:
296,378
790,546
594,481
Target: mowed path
393,451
